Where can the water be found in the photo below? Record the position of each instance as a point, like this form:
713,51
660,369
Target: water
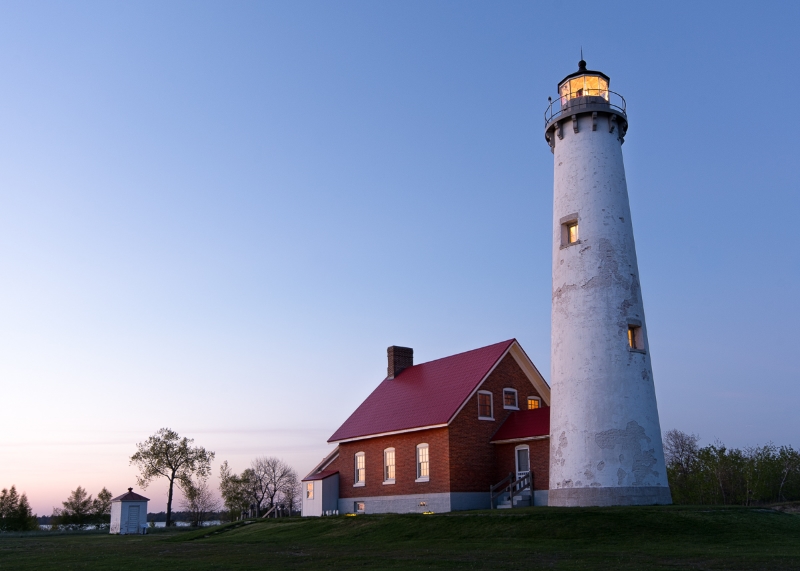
186,523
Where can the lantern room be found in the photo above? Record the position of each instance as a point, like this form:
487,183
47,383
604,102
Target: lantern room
583,83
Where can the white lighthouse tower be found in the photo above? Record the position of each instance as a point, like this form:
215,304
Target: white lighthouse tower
605,438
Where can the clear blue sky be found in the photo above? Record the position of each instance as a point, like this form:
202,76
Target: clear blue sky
216,216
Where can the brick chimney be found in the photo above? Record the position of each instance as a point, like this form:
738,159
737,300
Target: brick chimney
399,358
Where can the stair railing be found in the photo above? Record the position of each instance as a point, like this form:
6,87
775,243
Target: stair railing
511,486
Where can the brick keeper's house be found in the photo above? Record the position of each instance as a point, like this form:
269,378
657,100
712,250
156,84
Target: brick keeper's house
437,436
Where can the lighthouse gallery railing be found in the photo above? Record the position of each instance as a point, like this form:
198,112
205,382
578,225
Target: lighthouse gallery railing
584,98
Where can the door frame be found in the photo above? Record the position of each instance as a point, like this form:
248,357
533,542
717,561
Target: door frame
527,448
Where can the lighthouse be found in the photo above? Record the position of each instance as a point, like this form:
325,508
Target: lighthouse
605,437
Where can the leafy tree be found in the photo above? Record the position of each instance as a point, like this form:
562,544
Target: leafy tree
101,508
167,455
716,474
76,511
15,512
235,490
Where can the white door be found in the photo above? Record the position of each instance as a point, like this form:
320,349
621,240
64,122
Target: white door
523,462
133,519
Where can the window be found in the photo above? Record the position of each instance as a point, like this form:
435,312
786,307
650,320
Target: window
635,337
310,490
388,466
485,409
572,233
569,231
510,399
534,402
423,463
359,507
361,469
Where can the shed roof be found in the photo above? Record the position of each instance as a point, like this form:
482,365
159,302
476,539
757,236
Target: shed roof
522,424
130,496
427,394
320,475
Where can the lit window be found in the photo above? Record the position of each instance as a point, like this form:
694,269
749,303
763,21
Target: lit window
485,405
572,233
423,463
388,465
635,341
569,230
509,398
361,469
533,403
310,490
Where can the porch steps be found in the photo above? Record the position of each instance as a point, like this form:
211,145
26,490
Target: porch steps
521,499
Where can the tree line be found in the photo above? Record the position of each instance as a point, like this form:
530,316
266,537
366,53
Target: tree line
716,474
15,512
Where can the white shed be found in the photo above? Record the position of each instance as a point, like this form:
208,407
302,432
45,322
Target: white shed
321,493
129,513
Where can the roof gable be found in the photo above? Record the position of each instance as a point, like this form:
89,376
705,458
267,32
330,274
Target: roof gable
423,396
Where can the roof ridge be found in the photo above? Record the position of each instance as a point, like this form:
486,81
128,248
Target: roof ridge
462,353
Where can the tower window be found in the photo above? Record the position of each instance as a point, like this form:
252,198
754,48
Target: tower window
572,232
635,338
569,231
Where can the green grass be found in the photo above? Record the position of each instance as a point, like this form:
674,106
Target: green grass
674,537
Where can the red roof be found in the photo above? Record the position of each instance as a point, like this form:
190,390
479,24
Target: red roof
320,475
524,424
423,395
130,496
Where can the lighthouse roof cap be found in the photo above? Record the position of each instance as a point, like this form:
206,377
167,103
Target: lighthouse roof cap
583,71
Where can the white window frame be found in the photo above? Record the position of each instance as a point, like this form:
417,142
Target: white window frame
386,478
537,399
516,399
363,481
309,490
420,477
491,405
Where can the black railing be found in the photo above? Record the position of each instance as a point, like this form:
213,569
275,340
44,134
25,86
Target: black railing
583,99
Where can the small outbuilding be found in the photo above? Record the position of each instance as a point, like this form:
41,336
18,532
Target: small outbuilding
129,513
321,493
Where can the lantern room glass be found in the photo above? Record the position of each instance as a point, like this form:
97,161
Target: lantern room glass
583,86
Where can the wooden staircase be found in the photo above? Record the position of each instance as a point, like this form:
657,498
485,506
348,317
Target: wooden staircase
512,493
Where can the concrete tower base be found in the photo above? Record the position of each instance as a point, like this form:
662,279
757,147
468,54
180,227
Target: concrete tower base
623,496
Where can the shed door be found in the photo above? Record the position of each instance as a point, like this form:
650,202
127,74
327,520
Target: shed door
133,519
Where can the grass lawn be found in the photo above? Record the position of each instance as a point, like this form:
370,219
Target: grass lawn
673,537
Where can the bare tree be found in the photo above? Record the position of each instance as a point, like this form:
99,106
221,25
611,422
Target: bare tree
680,450
167,455
291,492
198,499
271,475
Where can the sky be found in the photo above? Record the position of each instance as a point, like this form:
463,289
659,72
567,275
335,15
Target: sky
216,216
